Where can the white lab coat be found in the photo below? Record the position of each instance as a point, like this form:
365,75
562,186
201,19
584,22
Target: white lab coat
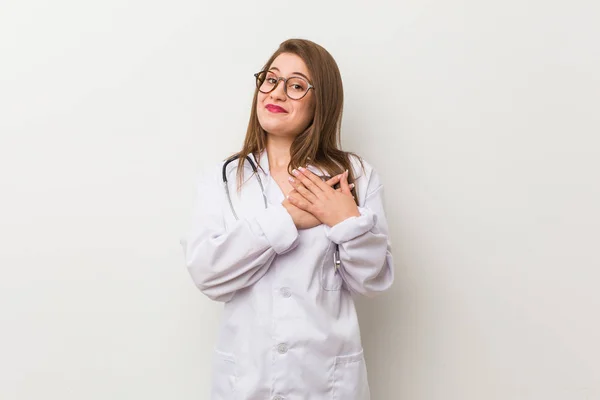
289,329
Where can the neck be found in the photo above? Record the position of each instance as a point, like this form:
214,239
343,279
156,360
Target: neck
278,151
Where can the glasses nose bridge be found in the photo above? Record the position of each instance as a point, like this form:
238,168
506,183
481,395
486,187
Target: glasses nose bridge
280,78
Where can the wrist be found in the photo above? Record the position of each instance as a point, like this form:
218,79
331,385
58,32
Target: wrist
344,217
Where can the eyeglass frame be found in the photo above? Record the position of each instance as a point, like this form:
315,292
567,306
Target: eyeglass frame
281,78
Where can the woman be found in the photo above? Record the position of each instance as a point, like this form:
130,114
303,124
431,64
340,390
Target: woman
286,250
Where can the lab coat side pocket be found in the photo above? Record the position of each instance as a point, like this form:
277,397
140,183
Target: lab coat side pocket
350,378
330,276
224,375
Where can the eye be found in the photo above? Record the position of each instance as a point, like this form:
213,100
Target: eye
297,84
271,78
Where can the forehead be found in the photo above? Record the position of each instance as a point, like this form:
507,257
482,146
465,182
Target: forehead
288,63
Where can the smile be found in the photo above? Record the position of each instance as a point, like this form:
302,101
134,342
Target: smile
275,109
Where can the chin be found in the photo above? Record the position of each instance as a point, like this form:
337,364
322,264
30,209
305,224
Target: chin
277,127
273,127
276,131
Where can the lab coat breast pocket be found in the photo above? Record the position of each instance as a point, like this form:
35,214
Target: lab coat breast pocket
350,378
330,276
224,376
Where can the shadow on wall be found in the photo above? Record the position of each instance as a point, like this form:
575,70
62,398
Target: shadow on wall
381,330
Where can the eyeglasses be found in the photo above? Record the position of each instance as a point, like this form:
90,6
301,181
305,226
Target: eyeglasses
294,87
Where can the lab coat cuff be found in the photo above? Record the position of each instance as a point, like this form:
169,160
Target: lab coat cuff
278,227
352,227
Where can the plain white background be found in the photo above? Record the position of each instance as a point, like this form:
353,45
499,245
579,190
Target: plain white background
482,118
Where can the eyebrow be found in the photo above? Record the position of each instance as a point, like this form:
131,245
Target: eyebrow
297,73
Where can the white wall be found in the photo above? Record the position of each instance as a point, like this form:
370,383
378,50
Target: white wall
482,118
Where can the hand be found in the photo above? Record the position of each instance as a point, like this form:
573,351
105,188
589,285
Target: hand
303,219
328,205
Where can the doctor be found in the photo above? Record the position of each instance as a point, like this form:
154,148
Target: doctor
286,247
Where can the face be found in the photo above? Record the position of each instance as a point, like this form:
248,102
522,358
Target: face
278,114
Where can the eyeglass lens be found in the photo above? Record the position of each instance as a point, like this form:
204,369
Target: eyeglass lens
295,87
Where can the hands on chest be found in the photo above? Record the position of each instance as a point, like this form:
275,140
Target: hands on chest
312,201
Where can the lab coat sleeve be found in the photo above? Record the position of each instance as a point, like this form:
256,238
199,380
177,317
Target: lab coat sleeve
367,265
222,261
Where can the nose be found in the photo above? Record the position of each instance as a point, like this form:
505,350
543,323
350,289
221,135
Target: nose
279,91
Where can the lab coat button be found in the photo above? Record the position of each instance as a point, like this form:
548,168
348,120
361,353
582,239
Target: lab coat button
286,292
282,348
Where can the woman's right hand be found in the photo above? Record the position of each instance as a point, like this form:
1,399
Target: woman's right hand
304,219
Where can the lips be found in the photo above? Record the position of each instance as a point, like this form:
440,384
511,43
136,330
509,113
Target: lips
275,109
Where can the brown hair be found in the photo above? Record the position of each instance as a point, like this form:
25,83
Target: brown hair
320,143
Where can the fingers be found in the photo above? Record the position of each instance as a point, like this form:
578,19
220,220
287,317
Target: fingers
339,178
351,186
334,180
316,186
330,182
344,183
310,180
299,201
302,190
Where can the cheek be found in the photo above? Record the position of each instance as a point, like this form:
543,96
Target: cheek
259,100
260,107
307,112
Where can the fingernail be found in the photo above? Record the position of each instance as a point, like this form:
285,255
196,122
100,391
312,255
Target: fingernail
295,172
352,186
291,179
301,169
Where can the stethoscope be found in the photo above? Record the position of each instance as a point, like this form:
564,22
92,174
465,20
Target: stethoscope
336,254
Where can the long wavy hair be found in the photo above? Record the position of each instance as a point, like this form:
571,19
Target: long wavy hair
320,143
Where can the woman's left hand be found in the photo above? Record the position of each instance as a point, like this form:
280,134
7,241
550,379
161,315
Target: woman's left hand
325,203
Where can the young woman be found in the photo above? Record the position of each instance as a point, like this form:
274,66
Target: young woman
286,247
